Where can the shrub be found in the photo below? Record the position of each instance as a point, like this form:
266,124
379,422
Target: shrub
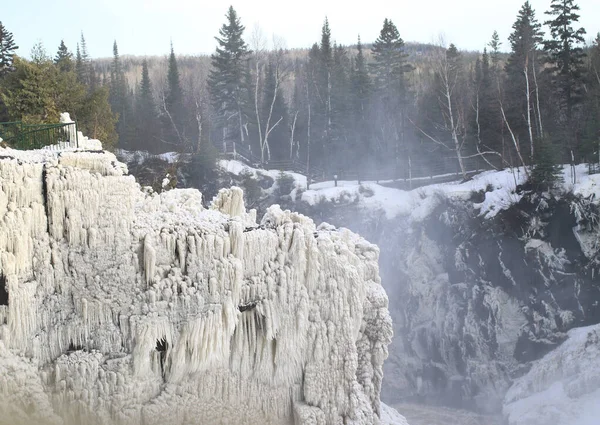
365,191
285,184
251,187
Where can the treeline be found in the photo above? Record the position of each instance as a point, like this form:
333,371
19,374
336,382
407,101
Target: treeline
361,109
37,91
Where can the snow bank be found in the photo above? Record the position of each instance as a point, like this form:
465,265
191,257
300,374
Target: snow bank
499,189
132,308
418,204
563,388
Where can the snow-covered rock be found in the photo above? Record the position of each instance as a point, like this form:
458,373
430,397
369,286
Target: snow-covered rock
563,388
130,307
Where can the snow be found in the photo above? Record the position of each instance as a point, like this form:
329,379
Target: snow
139,157
132,307
238,168
563,388
390,416
419,203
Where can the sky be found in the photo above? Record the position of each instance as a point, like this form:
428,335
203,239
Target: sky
146,27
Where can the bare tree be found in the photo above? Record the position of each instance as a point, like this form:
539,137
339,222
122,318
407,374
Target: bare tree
292,141
261,57
448,75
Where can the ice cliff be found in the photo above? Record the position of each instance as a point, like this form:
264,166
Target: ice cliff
122,306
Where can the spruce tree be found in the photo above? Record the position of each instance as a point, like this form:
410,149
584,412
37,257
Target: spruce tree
566,60
228,79
390,63
591,109
172,109
523,72
389,69
146,114
64,58
7,50
494,45
361,89
120,100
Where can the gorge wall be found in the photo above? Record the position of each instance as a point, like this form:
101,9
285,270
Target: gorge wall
122,306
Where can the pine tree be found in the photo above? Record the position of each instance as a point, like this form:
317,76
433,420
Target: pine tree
227,81
566,59
64,58
7,50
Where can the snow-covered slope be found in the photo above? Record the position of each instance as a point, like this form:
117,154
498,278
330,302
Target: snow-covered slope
130,307
563,388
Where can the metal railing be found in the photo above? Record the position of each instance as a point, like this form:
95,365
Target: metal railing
19,135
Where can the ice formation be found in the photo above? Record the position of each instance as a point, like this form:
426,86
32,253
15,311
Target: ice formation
128,307
563,388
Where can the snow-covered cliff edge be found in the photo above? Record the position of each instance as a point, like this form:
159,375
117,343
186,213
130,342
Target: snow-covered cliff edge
120,306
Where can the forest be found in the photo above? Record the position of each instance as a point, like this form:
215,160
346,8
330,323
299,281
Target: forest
381,110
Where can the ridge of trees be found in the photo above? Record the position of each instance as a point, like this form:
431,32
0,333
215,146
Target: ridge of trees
388,107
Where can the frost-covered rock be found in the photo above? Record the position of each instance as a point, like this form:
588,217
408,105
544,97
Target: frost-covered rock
563,388
133,308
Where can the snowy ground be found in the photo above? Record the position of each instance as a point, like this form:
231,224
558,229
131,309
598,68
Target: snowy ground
417,204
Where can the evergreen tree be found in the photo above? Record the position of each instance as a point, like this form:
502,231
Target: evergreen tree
389,69
361,89
325,78
174,113
390,63
82,62
494,45
96,119
546,174
7,50
64,58
591,134
120,100
566,59
227,81
523,72
146,114
485,124
79,66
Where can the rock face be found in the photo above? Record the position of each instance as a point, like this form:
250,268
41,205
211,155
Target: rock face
476,300
119,306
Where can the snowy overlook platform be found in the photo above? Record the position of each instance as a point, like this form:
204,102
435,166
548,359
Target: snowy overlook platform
123,306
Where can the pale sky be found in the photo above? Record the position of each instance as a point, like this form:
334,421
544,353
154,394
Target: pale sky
145,27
